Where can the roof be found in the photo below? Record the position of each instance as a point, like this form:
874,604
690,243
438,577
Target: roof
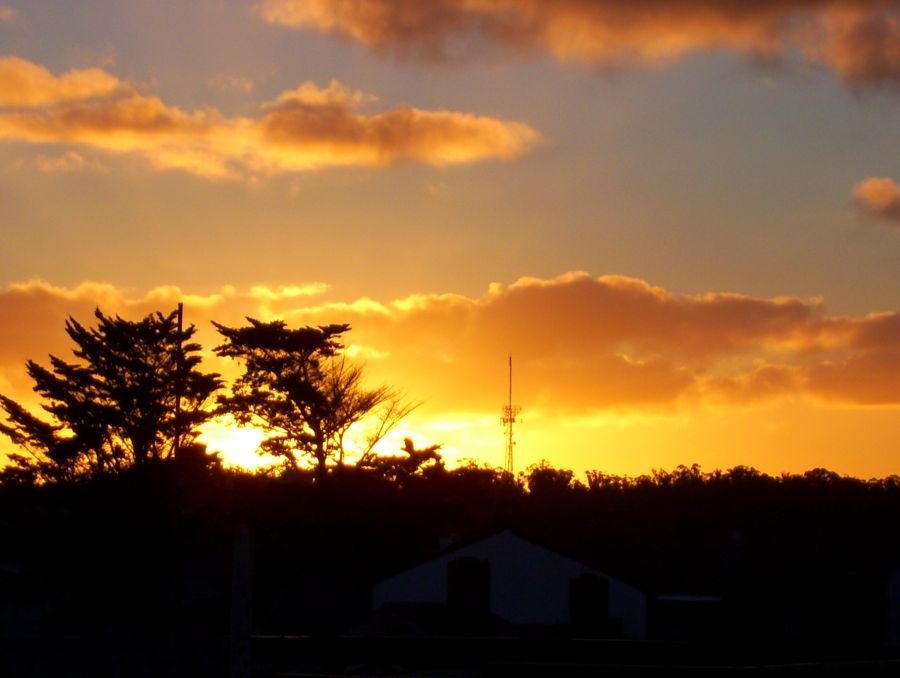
465,544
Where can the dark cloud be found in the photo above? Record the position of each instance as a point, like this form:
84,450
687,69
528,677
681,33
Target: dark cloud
858,39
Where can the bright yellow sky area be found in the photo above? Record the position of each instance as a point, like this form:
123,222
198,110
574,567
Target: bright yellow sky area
789,438
683,223
611,373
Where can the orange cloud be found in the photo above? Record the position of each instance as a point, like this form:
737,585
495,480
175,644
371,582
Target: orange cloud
610,370
879,197
856,38
7,13
865,378
583,343
760,383
317,124
27,85
580,344
34,313
304,129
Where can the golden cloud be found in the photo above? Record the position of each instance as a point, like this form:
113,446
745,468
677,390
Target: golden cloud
879,197
309,125
759,383
859,39
303,129
27,85
581,344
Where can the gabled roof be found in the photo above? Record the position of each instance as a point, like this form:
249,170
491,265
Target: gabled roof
466,544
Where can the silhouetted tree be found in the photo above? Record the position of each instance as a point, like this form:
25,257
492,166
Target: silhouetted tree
399,468
544,479
133,397
299,387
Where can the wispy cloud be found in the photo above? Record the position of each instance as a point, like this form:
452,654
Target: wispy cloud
7,14
858,39
225,82
68,162
304,129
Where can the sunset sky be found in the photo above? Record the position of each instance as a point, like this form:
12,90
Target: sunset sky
682,219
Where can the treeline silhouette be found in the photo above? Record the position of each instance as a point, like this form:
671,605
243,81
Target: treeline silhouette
117,525
131,552
136,396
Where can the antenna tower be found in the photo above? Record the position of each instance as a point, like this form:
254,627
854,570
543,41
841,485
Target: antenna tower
509,418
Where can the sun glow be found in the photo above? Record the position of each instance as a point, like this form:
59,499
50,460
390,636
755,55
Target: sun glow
237,445
462,438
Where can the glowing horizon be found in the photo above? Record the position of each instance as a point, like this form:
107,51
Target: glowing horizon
682,219
638,378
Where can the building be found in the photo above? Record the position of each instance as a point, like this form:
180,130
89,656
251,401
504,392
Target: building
518,583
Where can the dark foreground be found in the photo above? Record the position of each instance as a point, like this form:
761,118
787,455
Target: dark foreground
190,573
311,656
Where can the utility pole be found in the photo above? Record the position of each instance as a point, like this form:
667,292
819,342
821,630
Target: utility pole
179,379
509,418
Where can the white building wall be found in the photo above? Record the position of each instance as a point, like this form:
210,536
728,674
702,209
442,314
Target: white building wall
630,604
892,611
529,584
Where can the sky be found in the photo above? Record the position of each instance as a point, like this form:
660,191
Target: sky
681,219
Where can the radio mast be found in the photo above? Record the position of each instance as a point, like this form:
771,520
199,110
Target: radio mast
509,418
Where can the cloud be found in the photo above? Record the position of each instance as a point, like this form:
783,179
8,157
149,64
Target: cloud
27,85
224,82
865,378
581,345
858,39
304,129
861,42
309,125
34,314
68,162
7,14
282,292
879,197
166,136
759,383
